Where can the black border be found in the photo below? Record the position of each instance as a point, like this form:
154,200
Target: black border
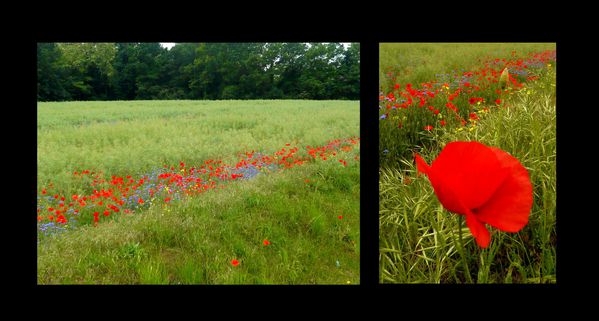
369,271
369,165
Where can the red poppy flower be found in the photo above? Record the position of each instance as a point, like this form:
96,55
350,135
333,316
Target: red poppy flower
451,106
484,183
266,242
235,262
428,127
340,217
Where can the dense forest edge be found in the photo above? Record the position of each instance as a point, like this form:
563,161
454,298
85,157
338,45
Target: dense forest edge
148,71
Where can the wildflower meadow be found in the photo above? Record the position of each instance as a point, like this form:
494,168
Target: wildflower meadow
198,192
467,163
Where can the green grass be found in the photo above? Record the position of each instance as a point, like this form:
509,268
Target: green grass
420,62
418,237
127,137
194,241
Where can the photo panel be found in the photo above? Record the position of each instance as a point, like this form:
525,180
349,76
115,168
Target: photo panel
215,163
467,152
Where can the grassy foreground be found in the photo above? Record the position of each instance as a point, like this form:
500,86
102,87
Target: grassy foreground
418,236
294,226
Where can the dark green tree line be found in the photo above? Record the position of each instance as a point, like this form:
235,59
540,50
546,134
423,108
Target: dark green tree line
129,71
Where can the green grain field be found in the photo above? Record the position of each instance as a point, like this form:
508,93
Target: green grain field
308,214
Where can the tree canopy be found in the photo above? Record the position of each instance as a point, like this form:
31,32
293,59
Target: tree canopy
129,71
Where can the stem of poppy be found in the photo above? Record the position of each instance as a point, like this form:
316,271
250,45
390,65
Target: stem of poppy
462,254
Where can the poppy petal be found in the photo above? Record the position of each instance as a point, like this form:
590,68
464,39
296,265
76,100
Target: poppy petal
421,165
509,208
446,193
470,170
478,229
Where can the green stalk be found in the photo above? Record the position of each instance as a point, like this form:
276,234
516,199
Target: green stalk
462,254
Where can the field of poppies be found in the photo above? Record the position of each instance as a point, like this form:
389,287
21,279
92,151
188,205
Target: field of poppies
198,192
467,177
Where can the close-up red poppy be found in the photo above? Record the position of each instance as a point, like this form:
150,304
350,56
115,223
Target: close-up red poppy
486,184
480,125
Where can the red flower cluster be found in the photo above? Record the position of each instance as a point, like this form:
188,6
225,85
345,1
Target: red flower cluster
474,100
111,195
460,92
